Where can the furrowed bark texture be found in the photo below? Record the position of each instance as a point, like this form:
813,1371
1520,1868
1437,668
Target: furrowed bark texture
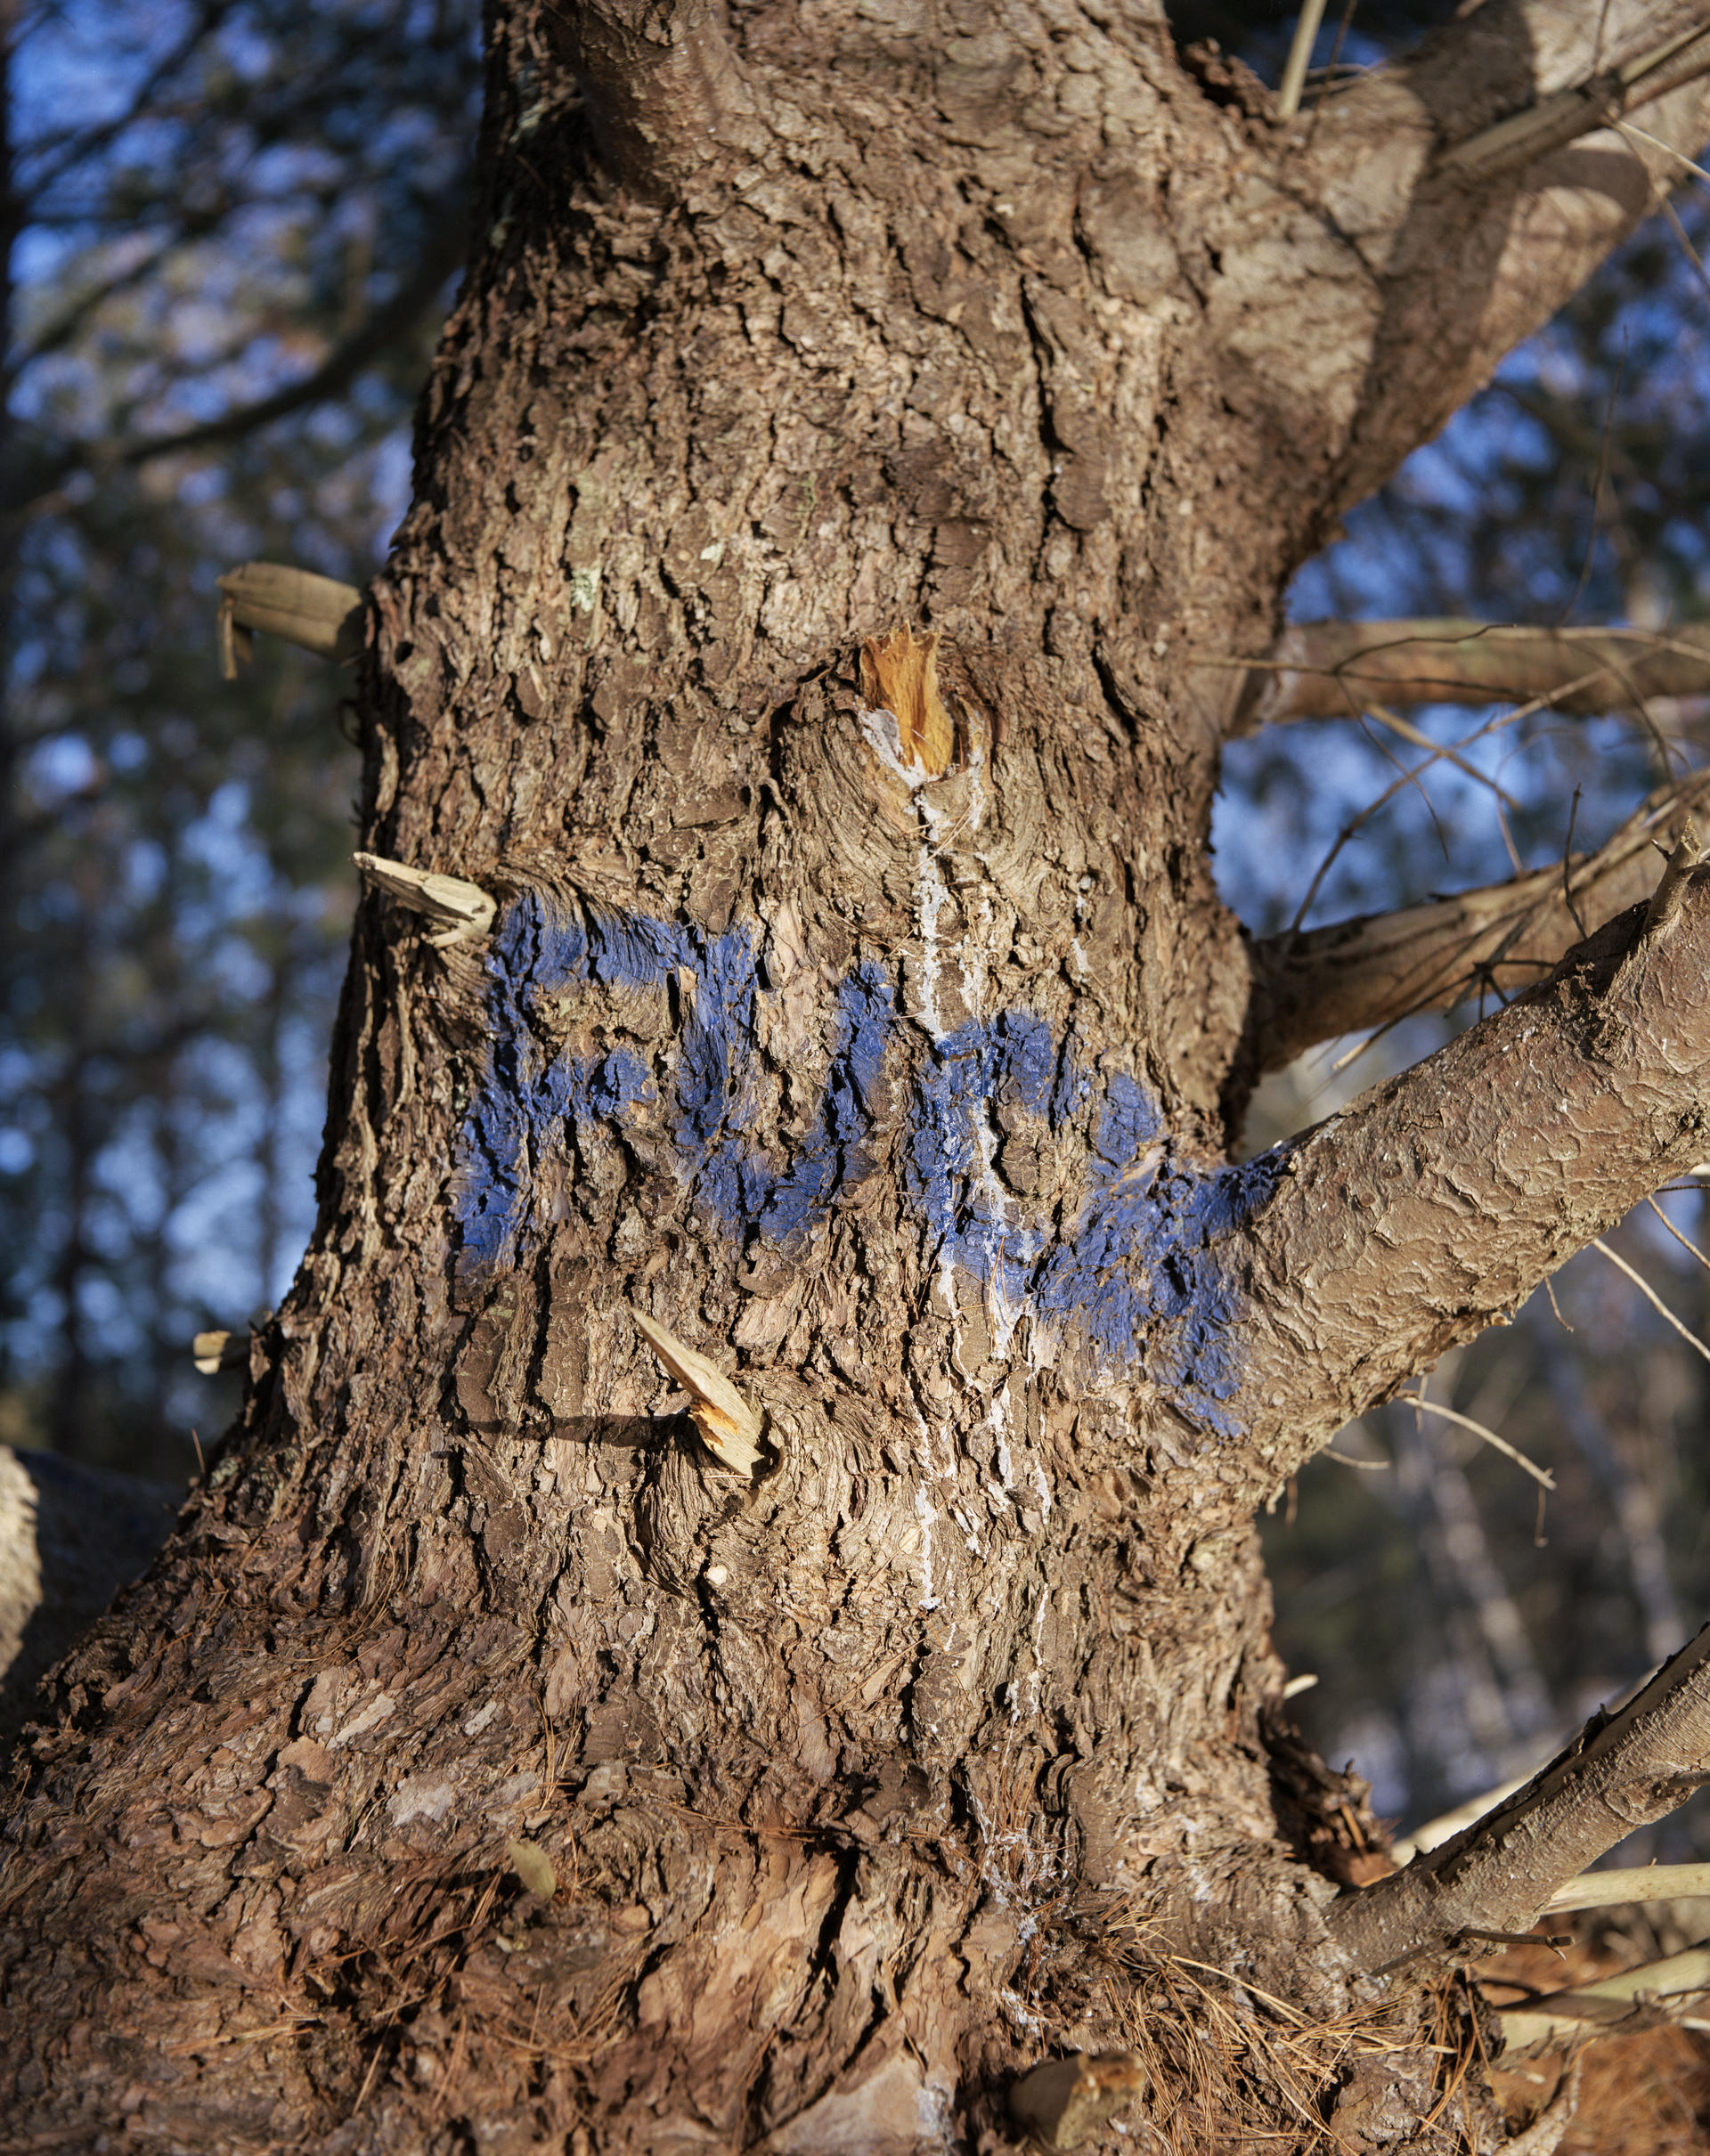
1433,1205
897,1095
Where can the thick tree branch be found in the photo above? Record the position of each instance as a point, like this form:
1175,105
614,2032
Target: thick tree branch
1467,184
1436,1204
1500,940
1620,1773
1331,670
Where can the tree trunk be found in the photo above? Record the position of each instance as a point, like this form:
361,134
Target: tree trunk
880,1040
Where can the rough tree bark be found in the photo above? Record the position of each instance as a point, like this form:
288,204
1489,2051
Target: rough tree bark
897,1085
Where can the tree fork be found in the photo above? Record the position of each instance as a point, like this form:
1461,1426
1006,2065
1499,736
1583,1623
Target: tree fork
889,1095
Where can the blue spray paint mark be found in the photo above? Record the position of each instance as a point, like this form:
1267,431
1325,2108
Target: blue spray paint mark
832,1157
523,1099
980,1066
1137,1267
1142,1272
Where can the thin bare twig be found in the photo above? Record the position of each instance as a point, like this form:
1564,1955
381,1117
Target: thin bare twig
1651,1296
1567,874
1294,71
1668,149
1449,1414
1355,823
1409,732
1685,1242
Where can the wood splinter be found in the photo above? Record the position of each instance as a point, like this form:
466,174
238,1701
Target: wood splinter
213,1352
316,612
899,674
458,912
728,1427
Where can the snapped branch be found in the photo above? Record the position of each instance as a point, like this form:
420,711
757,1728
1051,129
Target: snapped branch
1352,976
1435,1205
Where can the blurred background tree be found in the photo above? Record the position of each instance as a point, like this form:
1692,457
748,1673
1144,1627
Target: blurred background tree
232,228
232,231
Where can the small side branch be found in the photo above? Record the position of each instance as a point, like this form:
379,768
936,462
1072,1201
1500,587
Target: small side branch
1621,1772
1331,670
1502,938
1555,121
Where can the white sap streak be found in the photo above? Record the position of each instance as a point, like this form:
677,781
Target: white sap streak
1004,1315
953,1310
926,1514
883,732
1029,2025
932,1470
998,1416
1036,1675
931,899
932,896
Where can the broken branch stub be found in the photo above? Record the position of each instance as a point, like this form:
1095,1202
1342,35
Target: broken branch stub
1670,895
729,1428
213,1352
457,912
899,674
317,613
